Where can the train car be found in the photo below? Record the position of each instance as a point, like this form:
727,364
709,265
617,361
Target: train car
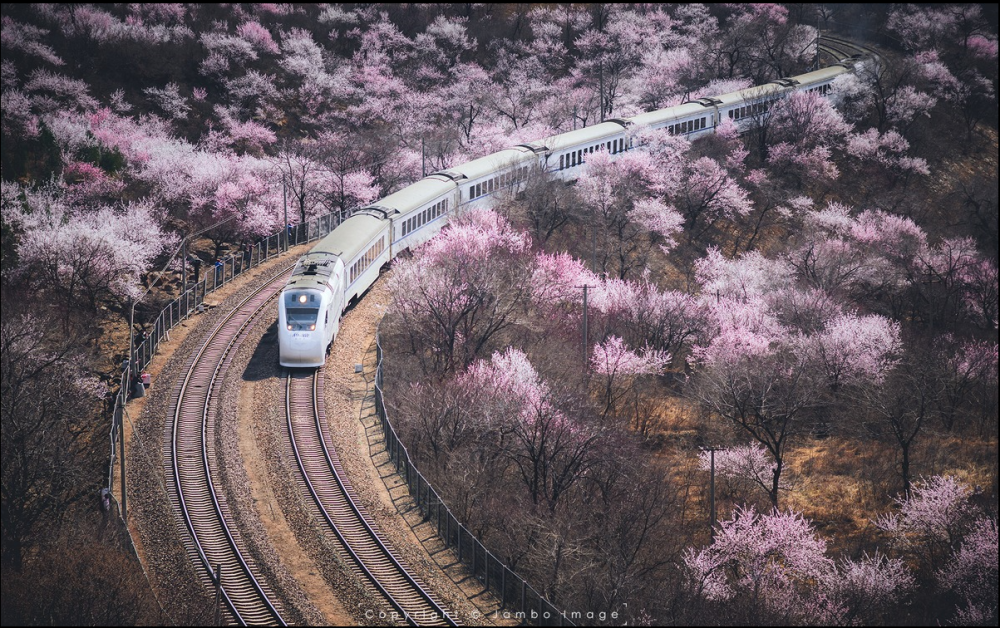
418,211
564,154
480,179
691,119
309,308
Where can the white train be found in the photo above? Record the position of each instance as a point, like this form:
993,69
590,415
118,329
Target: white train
347,262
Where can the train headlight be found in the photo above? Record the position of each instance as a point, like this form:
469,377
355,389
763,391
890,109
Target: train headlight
302,298
289,327
312,327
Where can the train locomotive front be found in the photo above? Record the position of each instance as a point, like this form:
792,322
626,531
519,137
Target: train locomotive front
309,310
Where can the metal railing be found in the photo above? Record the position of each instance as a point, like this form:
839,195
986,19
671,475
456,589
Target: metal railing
517,597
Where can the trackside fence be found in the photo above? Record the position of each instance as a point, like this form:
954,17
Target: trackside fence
516,596
192,300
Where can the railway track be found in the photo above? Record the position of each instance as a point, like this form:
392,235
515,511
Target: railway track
214,540
838,49
373,561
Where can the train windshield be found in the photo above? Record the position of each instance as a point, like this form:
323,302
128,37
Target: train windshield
301,310
301,318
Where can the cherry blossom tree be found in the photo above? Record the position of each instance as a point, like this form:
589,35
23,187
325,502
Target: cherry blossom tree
885,92
971,572
303,175
519,91
743,468
619,193
763,566
644,316
169,100
609,55
617,367
749,276
461,289
550,450
28,40
90,256
754,374
557,282
870,588
884,155
258,37
710,196
855,350
444,42
933,517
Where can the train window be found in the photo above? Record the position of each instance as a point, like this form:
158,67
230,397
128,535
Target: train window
579,156
301,318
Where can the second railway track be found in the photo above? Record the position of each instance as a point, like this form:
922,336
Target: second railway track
214,540
330,491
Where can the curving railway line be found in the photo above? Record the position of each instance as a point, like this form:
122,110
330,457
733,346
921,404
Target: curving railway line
199,501
840,50
373,561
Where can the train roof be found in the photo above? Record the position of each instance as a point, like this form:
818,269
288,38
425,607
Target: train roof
313,270
821,75
489,164
353,235
750,94
416,194
671,113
